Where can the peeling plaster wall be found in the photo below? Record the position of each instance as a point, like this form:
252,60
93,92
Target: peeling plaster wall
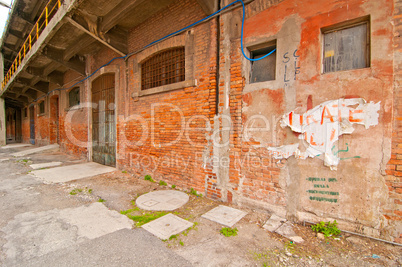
355,193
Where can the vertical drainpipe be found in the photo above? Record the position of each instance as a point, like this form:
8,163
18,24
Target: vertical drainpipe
218,48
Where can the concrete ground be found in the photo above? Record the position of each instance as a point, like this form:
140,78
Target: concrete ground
51,221
42,225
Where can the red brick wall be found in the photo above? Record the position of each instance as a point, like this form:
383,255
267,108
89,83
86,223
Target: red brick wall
25,129
42,132
175,17
393,212
180,163
73,124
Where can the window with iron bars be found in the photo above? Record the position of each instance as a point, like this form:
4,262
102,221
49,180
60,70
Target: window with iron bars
165,67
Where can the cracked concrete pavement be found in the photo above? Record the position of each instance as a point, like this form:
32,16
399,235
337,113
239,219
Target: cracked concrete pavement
41,226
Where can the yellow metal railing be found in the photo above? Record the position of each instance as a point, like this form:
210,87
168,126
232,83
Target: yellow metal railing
42,22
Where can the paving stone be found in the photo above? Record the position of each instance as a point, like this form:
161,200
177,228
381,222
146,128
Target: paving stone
225,215
71,172
1,160
166,226
45,165
167,200
286,230
35,150
15,146
273,223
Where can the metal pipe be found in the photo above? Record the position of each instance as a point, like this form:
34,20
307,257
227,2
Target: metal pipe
179,32
353,233
218,55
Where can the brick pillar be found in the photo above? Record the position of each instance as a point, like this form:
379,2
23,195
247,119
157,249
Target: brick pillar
2,123
2,108
393,211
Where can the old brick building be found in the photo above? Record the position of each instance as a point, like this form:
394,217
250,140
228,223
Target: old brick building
310,132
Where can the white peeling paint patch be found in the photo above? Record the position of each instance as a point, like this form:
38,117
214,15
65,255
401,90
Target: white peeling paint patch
321,127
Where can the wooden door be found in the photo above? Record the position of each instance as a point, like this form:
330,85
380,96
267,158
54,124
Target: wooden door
57,122
103,120
32,124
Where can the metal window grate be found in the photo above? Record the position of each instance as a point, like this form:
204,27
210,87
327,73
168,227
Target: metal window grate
163,68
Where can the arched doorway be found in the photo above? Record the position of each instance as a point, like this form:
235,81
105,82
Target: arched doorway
103,120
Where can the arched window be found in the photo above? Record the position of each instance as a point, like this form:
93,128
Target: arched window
162,68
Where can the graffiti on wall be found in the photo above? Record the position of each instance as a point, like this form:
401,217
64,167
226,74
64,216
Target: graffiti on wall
291,72
320,191
321,127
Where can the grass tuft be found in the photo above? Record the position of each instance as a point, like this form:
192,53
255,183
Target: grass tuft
146,218
226,231
149,178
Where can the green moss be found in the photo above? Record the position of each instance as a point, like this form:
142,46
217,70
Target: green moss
146,218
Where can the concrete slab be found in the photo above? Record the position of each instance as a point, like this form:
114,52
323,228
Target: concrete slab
35,150
33,234
274,223
45,165
72,172
15,146
286,230
166,226
224,215
167,200
121,248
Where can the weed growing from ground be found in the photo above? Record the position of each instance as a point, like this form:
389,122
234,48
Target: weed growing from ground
173,186
194,192
162,183
79,190
73,192
149,178
125,212
194,227
146,217
328,229
124,172
226,231
101,200
173,237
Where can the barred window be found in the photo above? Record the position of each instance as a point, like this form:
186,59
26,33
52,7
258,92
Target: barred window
165,67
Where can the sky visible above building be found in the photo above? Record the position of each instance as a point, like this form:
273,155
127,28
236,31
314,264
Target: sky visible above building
4,15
